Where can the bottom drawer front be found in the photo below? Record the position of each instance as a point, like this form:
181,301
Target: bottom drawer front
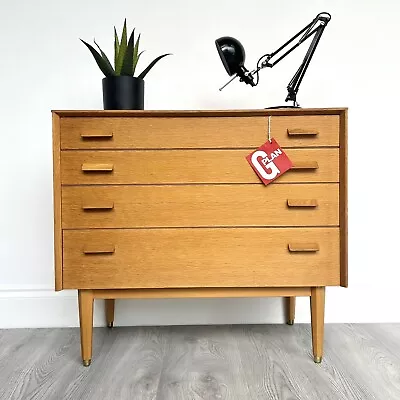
239,257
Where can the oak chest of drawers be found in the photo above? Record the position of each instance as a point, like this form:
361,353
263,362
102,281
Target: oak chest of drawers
164,204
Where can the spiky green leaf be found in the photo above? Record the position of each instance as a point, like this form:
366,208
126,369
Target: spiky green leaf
136,55
151,65
105,58
137,61
127,65
116,47
104,67
122,50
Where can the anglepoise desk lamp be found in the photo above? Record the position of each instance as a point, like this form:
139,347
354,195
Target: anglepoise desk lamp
233,56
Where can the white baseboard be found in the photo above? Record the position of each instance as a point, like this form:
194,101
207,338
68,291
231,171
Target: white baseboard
46,308
39,307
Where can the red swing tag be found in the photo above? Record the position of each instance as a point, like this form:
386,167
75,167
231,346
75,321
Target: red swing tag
269,161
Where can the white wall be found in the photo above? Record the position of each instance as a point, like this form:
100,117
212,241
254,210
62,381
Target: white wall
43,66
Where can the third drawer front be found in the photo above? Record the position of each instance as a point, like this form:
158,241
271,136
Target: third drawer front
189,166
236,257
200,206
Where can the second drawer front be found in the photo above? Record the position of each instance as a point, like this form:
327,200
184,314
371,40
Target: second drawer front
200,206
241,257
189,166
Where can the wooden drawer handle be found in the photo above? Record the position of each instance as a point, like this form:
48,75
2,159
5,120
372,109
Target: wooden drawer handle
303,247
305,165
96,250
97,167
100,135
99,206
301,132
302,203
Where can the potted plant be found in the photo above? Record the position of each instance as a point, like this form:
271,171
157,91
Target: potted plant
122,90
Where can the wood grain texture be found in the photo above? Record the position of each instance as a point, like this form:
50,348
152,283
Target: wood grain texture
202,364
302,202
57,203
369,352
85,301
290,309
317,304
199,206
96,134
97,168
199,113
324,130
270,357
189,166
162,258
347,372
343,200
247,362
97,204
302,132
95,248
303,247
46,365
200,293
196,132
308,165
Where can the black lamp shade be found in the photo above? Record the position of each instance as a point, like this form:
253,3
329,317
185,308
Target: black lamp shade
232,54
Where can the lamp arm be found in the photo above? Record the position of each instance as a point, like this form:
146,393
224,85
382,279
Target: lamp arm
267,62
294,84
316,27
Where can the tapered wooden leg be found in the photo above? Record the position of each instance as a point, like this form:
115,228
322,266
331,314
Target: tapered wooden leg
85,299
317,302
290,309
110,306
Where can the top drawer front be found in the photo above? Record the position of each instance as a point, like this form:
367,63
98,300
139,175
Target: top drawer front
306,131
197,132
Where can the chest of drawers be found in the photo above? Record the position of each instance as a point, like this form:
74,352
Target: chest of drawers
164,204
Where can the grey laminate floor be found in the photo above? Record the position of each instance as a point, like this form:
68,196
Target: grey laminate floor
202,362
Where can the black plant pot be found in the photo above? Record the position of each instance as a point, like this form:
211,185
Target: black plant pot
123,93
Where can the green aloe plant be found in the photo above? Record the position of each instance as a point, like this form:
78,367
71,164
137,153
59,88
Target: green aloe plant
126,56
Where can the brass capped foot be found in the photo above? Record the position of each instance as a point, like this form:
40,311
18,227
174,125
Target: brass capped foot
110,324
290,322
317,359
86,363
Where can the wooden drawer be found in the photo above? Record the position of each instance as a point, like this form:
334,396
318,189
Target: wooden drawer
189,166
197,132
306,131
160,258
200,205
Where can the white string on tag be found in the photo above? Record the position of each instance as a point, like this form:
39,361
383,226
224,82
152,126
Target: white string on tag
269,129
